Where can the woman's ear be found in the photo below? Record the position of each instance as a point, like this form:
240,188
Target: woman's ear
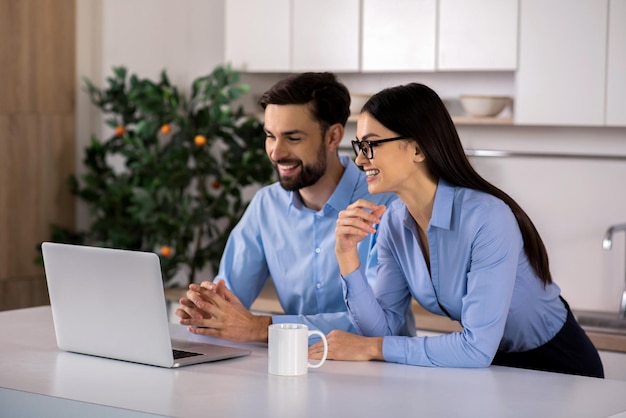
334,135
419,155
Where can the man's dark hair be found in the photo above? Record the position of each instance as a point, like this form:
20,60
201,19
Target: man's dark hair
328,98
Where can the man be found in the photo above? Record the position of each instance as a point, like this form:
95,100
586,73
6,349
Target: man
287,232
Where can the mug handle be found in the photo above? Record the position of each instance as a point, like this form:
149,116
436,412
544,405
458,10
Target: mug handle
318,364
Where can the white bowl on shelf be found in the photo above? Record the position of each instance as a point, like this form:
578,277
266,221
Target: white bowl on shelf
484,106
357,100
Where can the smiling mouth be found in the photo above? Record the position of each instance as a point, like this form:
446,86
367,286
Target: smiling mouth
287,168
372,172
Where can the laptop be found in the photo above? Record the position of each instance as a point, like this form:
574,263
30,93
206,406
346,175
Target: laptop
111,303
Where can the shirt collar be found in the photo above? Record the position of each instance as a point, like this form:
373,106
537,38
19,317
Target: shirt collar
342,195
442,207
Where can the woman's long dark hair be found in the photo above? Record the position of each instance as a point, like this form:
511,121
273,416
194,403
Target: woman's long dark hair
415,111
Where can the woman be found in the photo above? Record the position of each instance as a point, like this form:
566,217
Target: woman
457,244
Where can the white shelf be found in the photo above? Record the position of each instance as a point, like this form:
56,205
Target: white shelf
465,120
473,120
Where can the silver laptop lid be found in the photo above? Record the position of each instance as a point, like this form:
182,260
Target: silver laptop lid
108,303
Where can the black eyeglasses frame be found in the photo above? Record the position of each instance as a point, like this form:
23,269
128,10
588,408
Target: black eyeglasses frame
356,146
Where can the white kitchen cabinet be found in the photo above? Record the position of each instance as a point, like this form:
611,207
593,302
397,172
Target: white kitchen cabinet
258,35
562,63
292,35
616,65
326,35
471,35
398,35
478,35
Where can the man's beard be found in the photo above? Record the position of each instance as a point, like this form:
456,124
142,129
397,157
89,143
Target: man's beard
309,174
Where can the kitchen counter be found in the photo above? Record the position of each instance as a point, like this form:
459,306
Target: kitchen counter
424,320
427,321
38,379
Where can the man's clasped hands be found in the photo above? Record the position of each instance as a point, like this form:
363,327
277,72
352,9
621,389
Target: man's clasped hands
212,309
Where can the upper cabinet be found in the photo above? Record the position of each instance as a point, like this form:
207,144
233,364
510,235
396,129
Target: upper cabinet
477,35
447,35
325,35
567,57
258,37
371,35
399,35
616,65
572,70
292,35
561,78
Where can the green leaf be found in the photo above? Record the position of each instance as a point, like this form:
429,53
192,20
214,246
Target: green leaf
145,189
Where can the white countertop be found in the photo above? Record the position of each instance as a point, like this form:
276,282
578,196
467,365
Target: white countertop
35,376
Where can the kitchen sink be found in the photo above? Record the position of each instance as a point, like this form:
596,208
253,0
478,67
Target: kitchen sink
599,321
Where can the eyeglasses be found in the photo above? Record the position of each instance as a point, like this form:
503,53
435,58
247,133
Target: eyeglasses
367,147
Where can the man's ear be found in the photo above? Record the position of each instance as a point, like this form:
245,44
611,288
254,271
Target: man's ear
334,135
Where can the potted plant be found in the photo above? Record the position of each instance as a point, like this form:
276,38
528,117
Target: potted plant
169,178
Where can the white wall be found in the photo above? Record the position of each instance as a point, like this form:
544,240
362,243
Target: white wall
572,201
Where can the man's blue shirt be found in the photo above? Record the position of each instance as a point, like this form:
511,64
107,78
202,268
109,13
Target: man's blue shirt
479,275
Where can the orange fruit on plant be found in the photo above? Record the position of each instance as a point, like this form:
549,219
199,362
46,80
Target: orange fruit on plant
120,130
166,251
200,140
166,128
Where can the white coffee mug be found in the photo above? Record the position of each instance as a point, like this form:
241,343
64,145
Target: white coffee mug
288,349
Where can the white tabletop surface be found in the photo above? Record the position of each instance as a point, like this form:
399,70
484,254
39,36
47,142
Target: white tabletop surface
35,376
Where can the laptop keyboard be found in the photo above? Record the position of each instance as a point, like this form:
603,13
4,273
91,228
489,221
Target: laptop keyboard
178,354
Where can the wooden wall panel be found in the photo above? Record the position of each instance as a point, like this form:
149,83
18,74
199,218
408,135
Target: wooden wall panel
55,50
17,65
22,160
23,292
57,202
37,138
37,56
5,199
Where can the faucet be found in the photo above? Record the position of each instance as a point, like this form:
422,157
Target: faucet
607,244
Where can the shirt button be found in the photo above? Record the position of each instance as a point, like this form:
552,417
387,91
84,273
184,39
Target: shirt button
319,285
318,250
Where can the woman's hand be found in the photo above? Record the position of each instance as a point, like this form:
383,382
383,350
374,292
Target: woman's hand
344,345
353,224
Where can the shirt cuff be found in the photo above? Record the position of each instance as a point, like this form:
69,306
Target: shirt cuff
405,350
356,282
286,319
